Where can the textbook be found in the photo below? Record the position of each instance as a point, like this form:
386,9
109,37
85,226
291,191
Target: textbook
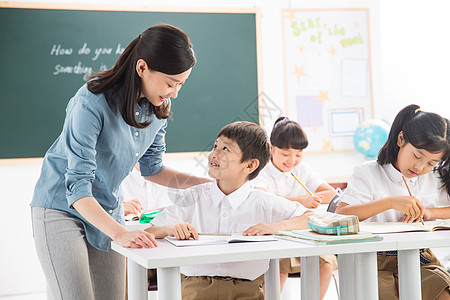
217,240
393,227
310,237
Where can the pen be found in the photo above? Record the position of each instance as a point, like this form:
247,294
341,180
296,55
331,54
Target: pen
301,184
409,191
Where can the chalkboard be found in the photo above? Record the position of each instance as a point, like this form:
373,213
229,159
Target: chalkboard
47,54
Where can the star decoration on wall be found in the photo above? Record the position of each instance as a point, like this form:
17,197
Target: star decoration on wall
299,72
291,15
327,146
332,51
323,96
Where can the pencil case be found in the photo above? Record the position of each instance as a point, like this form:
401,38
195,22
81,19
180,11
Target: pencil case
331,223
147,217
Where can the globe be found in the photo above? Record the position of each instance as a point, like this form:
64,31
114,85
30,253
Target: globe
370,136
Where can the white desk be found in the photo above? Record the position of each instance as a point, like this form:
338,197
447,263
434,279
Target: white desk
168,258
357,264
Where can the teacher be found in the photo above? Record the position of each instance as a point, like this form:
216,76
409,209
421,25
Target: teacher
114,121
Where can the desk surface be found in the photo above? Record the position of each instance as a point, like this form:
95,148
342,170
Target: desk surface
167,255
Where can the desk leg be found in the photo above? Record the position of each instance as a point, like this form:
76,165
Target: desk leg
137,281
169,283
272,280
366,276
347,276
309,278
409,282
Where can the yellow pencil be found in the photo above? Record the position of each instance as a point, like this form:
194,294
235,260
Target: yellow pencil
409,191
301,184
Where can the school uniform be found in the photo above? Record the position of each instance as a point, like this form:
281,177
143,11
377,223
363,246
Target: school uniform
151,195
372,181
208,209
284,184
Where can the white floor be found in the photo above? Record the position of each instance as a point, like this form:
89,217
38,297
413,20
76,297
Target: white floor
291,291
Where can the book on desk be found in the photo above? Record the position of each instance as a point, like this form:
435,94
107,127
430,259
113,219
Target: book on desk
219,239
395,227
310,237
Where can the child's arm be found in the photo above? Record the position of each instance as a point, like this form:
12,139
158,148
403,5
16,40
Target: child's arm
308,201
326,191
132,207
271,228
437,213
410,205
182,231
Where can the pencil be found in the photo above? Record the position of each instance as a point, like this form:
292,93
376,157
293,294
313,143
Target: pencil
409,191
301,184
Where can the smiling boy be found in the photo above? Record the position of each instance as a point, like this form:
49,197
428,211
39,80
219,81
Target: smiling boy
229,205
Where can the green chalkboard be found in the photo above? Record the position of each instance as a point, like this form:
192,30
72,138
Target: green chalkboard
46,55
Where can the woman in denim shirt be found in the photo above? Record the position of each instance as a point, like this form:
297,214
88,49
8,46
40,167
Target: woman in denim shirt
114,121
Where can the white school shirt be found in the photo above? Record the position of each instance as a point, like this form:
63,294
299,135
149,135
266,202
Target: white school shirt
208,209
284,184
372,181
151,195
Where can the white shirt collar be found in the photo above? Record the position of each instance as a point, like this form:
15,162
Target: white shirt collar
274,170
235,198
396,176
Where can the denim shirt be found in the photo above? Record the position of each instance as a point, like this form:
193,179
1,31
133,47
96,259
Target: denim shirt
94,153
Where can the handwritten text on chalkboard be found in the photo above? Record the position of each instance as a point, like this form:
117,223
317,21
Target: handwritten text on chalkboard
80,68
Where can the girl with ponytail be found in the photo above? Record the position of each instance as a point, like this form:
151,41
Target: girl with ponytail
114,121
417,151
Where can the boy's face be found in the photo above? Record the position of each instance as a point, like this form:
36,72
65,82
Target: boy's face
285,160
224,161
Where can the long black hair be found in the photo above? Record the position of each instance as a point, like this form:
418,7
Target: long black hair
288,134
423,130
165,48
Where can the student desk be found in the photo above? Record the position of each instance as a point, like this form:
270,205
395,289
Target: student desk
168,258
357,264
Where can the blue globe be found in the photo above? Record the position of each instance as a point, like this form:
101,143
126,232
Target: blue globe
370,136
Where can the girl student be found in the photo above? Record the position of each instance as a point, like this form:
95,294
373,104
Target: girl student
114,121
287,142
418,149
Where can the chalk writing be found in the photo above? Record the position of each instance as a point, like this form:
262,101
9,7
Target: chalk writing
80,66
58,50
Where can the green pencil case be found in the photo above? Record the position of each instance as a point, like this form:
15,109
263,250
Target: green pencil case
149,216
334,224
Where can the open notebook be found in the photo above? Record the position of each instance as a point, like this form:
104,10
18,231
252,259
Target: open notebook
217,240
310,237
392,227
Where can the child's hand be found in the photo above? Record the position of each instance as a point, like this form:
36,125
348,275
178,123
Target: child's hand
312,201
410,205
136,239
183,231
261,229
133,207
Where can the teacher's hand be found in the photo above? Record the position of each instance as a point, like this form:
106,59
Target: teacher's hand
136,239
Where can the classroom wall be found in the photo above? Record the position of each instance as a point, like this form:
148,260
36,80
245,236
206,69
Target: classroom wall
413,61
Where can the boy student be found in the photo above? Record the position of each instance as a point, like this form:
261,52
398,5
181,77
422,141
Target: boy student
229,205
